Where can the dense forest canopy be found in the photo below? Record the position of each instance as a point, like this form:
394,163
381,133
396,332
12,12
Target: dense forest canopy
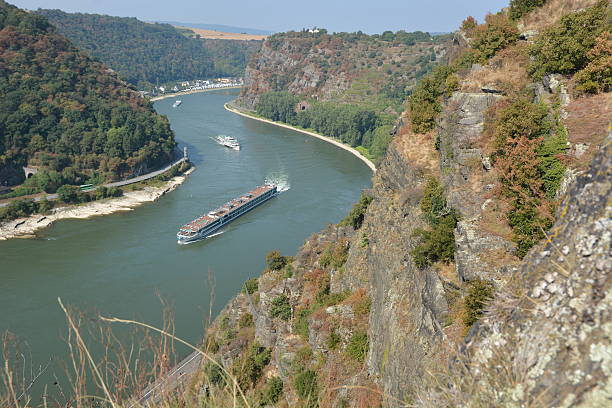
145,54
64,112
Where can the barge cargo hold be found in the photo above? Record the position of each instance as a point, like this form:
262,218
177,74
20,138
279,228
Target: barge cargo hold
206,225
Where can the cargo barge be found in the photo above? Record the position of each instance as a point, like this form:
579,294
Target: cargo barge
207,224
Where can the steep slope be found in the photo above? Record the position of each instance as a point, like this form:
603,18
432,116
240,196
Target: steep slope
476,270
349,86
145,54
59,109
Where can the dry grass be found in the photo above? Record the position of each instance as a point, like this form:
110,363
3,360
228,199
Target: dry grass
507,70
551,12
220,35
418,150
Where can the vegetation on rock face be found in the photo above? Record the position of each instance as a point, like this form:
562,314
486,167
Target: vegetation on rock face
564,48
480,292
497,33
272,392
425,102
276,261
529,167
596,76
281,308
249,368
250,286
357,90
437,243
307,388
60,109
358,346
357,214
518,8
146,54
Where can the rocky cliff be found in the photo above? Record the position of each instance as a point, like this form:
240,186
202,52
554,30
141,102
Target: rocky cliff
325,66
358,319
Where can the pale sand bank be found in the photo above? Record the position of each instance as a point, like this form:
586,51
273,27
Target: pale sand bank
27,227
327,139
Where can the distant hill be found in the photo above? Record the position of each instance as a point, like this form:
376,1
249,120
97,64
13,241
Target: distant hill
66,113
219,27
145,53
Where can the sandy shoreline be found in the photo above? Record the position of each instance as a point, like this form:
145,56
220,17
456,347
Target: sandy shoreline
341,145
27,227
175,95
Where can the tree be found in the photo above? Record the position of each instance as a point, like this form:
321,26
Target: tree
275,260
68,194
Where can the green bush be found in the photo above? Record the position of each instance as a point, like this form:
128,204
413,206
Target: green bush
425,102
275,260
529,168
563,48
334,255
250,286
24,208
281,308
215,375
480,293
300,324
249,368
246,320
357,214
497,33
333,340
306,386
358,346
272,392
518,8
436,244
597,75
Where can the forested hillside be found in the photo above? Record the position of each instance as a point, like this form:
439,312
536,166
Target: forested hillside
350,86
68,114
145,54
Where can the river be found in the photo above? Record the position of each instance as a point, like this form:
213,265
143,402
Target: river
116,263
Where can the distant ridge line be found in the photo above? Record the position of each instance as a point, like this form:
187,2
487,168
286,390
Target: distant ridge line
219,27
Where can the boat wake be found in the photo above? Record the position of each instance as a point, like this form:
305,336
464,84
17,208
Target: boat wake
281,181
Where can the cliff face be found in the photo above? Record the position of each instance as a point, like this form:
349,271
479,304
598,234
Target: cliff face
324,67
542,328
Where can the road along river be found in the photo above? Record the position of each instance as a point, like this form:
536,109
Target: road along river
116,263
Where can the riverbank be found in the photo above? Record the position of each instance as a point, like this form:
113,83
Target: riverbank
307,132
29,226
175,95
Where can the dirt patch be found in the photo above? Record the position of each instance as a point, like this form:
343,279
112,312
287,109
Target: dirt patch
220,35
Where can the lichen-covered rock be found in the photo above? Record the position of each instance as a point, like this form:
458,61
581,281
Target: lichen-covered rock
546,340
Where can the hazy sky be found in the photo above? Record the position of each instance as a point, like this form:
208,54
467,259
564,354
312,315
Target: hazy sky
372,16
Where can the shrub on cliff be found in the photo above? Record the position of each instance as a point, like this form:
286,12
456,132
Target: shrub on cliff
497,33
358,346
250,286
529,167
275,260
437,243
564,47
425,102
357,214
480,292
249,368
597,75
518,8
281,308
306,386
271,393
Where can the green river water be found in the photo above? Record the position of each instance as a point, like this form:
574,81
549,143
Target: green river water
116,263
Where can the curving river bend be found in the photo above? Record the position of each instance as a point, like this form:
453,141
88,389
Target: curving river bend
116,263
